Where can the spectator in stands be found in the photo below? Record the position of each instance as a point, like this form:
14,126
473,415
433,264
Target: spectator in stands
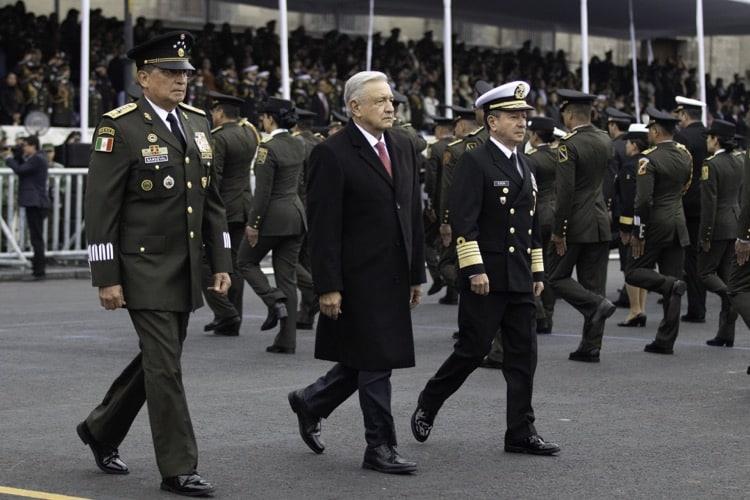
11,101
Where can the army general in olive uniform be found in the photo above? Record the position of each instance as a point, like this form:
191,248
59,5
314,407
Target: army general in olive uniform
235,142
150,206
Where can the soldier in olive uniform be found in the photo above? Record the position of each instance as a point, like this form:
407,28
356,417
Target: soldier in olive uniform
739,281
235,143
581,233
721,178
660,233
276,222
151,204
692,135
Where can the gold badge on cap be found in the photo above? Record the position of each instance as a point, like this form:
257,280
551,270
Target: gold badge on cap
151,138
181,52
520,92
204,182
169,182
147,185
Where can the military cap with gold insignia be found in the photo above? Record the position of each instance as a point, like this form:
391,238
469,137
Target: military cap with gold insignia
461,113
219,98
274,105
507,97
168,51
541,123
685,103
721,129
569,96
617,116
442,120
481,87
663,118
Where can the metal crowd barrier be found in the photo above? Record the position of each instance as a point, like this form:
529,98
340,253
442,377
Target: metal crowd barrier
63,228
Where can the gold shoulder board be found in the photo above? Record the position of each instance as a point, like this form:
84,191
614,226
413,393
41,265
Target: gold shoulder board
455,142
569,135
121,111
192,108
532,151
710,157
267,139
214,130
475,132
649,150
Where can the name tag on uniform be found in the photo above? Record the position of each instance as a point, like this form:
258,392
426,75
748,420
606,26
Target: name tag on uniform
500,183
157,159
155,154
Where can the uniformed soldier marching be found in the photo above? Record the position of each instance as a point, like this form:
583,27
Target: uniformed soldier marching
496,225
276,222
739,281
151,204
660,233
721,178
235,142
692,135
582,234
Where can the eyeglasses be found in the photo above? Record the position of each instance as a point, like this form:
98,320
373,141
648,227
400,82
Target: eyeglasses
175,73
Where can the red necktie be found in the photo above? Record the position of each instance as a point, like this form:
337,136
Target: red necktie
383,154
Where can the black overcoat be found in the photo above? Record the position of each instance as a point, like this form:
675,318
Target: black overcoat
366,241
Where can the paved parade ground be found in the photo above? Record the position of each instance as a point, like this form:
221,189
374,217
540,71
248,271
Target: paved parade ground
636,425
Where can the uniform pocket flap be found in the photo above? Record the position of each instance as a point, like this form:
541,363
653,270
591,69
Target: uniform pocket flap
144,244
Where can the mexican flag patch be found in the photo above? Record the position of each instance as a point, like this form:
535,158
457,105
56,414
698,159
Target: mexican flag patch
104,144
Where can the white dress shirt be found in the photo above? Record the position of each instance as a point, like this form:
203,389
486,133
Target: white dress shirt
372,140
162,113
507,152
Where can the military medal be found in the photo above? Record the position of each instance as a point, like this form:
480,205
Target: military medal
169,182
147,185
151,137
503,199
204,182
147,116
203,145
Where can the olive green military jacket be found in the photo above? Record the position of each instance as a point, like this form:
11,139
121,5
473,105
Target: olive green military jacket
434,170
721,179
416,140
664,176
309,140
277,209
450,159
743,231
542,162
151,206
583,158
235,144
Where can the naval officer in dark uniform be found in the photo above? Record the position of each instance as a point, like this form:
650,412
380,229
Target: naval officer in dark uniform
235,142
496,224
660,233
151,204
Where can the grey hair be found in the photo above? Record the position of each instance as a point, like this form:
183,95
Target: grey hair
355,85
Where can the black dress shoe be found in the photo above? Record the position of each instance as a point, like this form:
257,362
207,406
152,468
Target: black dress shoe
276,349
491,364
543,327
210,326
585,356
448,301
655,348
421,424
384,458
304,325
435,288
275,313
189,485
637,320
533,445
309,425
692,319
106,457
716,341
604,310
229,324
235,332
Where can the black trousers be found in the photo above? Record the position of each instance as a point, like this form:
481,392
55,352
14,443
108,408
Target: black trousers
715,267
35,220
329,391
696,292
590,262
155,375
230,305
309,305
641,273
479,318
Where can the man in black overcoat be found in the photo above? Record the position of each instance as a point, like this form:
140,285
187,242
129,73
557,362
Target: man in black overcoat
367,255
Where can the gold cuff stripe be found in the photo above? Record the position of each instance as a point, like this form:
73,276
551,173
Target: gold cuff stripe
537,267
537,260
628,221
510,105
468,253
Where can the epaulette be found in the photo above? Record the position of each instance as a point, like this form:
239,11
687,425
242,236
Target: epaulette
121,111
681,146
454,142
296,133
649,150
192,108
214,130
475,132
738,152
406,125
569,135
532,151
711,157
267,139
319,136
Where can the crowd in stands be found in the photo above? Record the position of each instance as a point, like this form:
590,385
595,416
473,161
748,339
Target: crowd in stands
39,70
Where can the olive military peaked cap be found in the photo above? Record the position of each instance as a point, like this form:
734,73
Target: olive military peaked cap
168,51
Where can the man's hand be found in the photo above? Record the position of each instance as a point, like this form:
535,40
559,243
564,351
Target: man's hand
625,237
560,245
636,246
480,284
416,296
446,234
538,288
330,304
111,297
705,246
742,249
222,282
251,235
429,213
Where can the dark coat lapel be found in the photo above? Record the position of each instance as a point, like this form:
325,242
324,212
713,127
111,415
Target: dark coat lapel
189,132
367,153
160,129
393,152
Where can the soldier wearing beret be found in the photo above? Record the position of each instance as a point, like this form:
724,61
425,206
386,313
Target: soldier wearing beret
581,232
276,222
495,221
151,205
660,233
720,181
235,143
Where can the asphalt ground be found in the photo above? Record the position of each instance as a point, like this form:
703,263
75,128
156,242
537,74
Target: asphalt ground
636,425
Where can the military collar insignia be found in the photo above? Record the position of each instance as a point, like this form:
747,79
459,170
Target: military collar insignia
147,116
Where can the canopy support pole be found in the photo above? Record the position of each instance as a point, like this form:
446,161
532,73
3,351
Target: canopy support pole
701,55
634,55
128,32
370,26
585,46
84,84
448,57
284,38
